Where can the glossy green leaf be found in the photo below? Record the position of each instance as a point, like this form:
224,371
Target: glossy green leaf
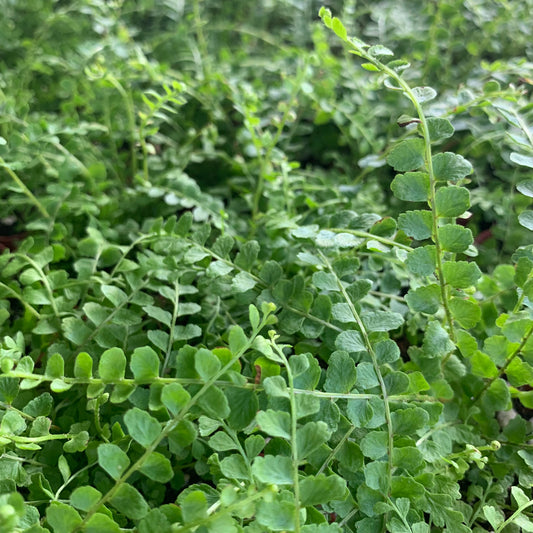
325,281
158,468
174,397
115,295
237,339
493,515
274,423
411,186
521,159
416,224
83,498
310,437
424,299
272,469
376,475
437,342
83,366
370,67
55,367
144,364
526,187
452,201
381,320
519,373
276,515
374,444
526,219
386,351
62,518
455,238
159,339
143,428
350,341
466,312
253,315
243,405
159,314
407,155
129,501
113,460
461,274
439,128
483,366
341,373
422,261
321,489
112,365
450,167
214,402
206,363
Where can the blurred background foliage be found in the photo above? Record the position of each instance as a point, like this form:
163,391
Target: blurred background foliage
248,89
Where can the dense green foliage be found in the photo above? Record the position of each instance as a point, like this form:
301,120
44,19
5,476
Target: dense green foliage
248,285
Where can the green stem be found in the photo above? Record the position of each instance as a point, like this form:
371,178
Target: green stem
503,369
44,280
366,235
43,438
294,442
98,425
21,300
172,327
335,450
432,203
480,504
71,478
370,349
405,87
9,407
196,381
515,515
24,189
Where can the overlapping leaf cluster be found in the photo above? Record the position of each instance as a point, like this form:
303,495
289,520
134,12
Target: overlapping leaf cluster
216,322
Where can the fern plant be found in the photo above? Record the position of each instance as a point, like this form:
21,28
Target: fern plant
345,370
